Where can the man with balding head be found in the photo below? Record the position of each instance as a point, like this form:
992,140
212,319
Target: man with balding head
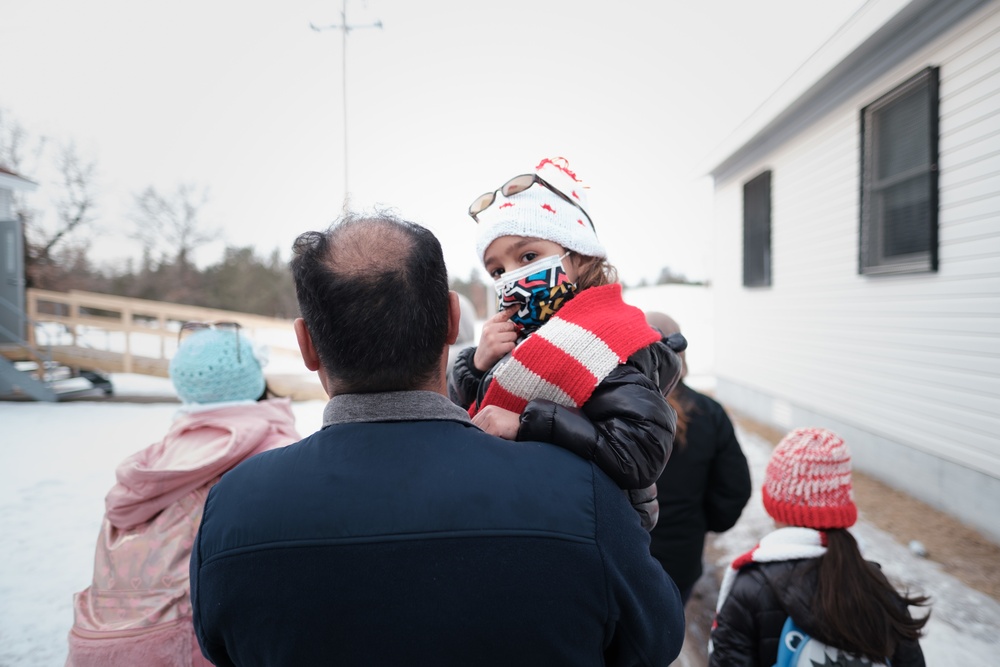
401,534
706,483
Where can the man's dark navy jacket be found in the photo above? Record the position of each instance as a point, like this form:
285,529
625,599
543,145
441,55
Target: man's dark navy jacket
400,534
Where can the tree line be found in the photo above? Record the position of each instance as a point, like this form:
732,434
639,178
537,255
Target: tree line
169,226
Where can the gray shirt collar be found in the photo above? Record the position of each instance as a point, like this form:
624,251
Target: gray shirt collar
391,406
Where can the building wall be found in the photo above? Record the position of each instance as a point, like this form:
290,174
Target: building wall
908,366
6,204
691,307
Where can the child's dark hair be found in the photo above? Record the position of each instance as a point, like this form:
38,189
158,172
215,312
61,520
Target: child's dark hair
268,393
857,607
595,272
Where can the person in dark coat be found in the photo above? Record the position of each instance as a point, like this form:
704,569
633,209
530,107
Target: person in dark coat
400,533
706,483
810,570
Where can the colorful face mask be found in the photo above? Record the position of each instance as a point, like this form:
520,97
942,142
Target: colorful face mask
539,289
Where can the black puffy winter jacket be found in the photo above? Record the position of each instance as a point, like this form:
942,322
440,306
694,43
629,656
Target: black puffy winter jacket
626,427
762,597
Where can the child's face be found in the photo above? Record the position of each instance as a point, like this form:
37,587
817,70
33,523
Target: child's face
512,252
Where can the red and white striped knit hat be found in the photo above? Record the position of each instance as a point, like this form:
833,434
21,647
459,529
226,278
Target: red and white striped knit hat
540,213
808,481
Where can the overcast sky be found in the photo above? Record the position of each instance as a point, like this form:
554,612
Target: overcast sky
447,101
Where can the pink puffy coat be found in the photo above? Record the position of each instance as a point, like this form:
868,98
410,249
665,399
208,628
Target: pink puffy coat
137,610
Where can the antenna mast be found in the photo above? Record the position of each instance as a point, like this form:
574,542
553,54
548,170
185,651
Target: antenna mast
345,28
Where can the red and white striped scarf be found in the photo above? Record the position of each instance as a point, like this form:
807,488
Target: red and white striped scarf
791,543
572,353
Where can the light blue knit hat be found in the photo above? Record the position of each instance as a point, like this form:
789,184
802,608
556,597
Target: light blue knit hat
207,368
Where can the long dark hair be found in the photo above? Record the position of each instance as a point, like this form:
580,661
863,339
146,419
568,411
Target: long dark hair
685,408
856,605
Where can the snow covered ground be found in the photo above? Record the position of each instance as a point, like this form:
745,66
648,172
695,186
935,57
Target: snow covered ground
276,347
57,462
964,622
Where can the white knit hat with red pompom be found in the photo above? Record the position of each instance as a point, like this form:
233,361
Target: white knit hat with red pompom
540,213
808,481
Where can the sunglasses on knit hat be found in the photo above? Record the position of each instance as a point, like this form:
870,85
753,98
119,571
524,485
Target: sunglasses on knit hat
513,187
190,327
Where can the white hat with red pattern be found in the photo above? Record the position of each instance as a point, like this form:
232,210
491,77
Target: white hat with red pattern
540,213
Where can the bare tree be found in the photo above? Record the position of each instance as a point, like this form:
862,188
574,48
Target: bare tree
73,187
171,223
20,153
75,205
16,144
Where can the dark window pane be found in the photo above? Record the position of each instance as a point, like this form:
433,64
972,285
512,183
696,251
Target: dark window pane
757,230
903,134
899,178
907,216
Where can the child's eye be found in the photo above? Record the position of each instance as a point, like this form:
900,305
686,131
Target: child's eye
529,257
496,273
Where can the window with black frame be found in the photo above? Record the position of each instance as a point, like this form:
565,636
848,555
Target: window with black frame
757,231
899,179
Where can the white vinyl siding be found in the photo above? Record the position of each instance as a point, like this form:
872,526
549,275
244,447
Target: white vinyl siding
913,358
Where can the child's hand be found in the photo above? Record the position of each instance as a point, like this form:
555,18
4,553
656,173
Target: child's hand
497,421
498,338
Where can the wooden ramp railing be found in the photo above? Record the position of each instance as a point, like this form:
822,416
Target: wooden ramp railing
123,335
